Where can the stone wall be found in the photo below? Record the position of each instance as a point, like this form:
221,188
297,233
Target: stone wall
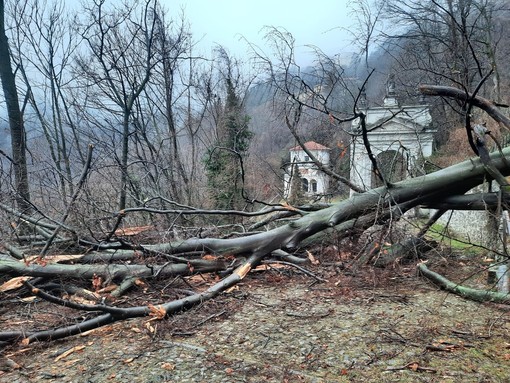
473,226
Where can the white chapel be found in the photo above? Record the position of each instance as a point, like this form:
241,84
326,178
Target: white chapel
314,183
400,137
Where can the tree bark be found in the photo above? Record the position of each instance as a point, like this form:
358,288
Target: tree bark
111,272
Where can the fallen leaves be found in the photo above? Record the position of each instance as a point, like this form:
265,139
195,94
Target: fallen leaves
97,282
168,366
199,278
150,328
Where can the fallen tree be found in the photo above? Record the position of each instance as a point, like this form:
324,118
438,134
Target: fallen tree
235,257
121,264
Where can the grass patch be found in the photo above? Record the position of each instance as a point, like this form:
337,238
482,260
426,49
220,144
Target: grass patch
447,238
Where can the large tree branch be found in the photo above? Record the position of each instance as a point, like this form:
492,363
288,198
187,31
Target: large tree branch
11,266
478,101
463,291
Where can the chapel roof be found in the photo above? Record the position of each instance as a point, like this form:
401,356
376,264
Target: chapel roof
310,145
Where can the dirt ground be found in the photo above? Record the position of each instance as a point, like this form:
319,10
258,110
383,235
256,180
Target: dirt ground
281,326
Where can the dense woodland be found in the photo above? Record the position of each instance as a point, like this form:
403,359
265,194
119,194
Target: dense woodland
112,124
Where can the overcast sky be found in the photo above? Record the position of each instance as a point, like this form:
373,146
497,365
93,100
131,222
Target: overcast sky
317,22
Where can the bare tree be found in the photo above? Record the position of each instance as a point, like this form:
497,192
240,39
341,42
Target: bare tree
161,125
326,93
43,51
119,63
440,41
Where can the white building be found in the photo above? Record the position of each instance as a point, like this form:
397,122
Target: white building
313,181
399,137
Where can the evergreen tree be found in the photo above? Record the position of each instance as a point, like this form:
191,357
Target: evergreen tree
224,160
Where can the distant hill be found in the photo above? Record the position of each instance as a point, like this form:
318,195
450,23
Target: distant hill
354,73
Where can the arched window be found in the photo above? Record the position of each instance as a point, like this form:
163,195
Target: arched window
313,185
305,185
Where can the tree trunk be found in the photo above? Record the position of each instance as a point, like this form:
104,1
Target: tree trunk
124,161
16,126
361,210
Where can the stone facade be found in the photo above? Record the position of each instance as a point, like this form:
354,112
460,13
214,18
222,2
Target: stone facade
399,137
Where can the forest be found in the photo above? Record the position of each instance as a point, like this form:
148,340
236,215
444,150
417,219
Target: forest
139,179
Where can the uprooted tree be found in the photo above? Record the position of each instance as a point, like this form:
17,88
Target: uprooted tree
106,257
